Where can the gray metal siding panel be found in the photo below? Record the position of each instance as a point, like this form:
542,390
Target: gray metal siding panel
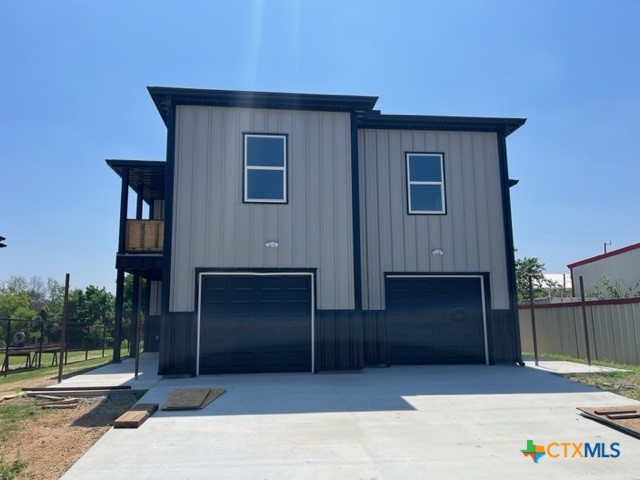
158,210
155,298
471,233
625,266
214,228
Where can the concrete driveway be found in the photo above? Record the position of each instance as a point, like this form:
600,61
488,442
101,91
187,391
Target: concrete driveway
388,423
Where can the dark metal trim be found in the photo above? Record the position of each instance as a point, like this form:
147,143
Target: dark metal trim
430,122
508,240
166,98
139,198
168,215
124,205
355,206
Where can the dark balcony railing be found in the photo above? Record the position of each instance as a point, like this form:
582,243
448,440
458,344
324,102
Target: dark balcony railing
144,236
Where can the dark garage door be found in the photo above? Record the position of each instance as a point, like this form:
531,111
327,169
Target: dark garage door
251,323
435,320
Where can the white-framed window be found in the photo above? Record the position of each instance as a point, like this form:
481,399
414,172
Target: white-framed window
265,168
425,183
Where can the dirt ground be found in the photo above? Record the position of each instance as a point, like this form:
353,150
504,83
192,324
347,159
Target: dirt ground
53,440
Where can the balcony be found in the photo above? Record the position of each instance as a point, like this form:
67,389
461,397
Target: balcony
144,236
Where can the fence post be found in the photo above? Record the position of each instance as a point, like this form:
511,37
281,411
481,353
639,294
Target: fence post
63,333
104,335
533,321
584,320
6,348
41,343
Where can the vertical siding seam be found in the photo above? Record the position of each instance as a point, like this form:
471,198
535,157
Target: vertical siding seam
191,170
364,223
222,183
475,196
208,215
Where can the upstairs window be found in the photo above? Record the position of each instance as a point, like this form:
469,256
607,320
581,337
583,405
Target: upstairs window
425,183
265,168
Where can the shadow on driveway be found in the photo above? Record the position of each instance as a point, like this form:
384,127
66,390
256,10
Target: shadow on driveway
377,389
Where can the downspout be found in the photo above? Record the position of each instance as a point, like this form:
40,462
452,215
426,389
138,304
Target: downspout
509,245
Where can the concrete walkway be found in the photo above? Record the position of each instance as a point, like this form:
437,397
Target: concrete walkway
388,423
118,374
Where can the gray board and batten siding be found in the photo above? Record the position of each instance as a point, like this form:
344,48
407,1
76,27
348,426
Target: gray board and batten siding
214,228
470,233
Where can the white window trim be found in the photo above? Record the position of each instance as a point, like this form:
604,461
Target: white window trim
410,182
247,167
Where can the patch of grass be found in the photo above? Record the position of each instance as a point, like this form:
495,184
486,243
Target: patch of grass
51,372
9,470
626,383
13,413
72,357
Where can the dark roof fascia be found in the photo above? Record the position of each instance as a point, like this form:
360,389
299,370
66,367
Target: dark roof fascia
166,98
150,173
429,122
612,253
117,165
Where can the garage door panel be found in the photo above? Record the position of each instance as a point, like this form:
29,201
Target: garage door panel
256,324
214,308
435,320
270,308
296,307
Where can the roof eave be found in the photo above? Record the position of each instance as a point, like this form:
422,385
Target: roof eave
166,98
428,122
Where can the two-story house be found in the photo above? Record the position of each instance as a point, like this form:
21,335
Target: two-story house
300,232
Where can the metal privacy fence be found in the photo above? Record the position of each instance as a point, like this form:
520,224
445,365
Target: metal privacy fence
613,329
36,343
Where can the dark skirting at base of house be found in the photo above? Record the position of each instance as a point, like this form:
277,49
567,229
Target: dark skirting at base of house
344,340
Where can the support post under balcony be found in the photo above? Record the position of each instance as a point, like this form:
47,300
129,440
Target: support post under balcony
124,206
117,327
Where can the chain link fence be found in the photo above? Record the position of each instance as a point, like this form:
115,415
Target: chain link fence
28,344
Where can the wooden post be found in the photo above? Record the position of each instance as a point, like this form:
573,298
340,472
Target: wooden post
584,319
533,321
63,327
41,343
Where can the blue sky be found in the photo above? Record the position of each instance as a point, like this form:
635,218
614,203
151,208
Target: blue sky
74,75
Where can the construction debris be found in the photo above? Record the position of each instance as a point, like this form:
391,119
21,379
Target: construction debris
12,396
136,416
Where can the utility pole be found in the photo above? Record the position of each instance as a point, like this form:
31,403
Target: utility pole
605,246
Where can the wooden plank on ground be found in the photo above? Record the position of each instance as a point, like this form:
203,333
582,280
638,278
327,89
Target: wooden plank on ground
42,396
136,416
77,387
59,406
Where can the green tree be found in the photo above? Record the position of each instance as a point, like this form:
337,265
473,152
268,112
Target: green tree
615,288
89,312
16,305
531,267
